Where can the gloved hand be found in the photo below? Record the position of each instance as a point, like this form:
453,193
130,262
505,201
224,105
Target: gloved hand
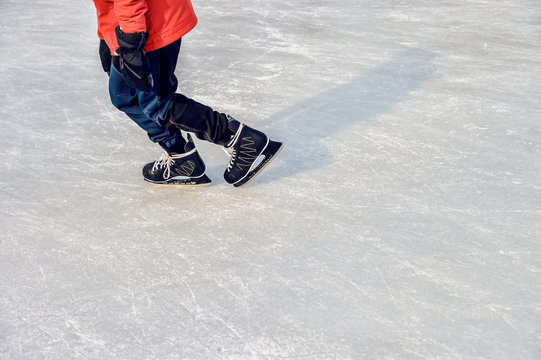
134,65
105,56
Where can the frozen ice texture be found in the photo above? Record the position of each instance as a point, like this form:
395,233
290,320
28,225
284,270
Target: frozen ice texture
402,220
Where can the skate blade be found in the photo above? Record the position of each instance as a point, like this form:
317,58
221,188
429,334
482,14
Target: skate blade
273,148
203,180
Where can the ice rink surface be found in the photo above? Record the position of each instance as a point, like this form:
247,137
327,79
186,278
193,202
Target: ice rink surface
402,220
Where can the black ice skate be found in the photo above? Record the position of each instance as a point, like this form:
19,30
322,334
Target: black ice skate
250,151
178,168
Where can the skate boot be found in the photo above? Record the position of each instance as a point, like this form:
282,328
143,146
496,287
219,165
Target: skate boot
250,151
185,168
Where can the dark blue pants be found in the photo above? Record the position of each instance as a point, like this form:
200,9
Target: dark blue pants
161,112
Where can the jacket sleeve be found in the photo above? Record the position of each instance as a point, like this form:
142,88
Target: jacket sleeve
131,15
106,22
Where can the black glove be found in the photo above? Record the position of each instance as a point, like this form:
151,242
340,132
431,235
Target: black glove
134,65
105,56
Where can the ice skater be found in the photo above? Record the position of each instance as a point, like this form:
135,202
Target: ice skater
140,42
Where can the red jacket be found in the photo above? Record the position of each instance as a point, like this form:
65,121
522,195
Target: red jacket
165,20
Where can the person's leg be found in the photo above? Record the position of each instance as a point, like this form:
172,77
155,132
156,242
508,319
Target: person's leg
177,110
251,150
180,162
192,116
128,100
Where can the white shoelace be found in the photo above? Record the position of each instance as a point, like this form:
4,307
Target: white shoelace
164,161
232,155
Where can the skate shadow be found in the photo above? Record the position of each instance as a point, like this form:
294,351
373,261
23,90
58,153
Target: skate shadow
303,126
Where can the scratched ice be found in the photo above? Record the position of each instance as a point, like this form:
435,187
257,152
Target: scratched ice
401,221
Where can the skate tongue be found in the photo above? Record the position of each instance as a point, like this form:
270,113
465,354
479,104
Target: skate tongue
233,124
237,129
190,144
